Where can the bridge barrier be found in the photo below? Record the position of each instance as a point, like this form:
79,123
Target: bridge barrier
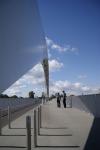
87,103
17,104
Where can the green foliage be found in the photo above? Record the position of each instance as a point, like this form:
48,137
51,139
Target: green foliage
31,94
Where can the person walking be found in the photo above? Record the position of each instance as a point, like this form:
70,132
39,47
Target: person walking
58,100
64,99
43,98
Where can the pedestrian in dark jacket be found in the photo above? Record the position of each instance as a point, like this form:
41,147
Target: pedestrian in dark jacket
58,100
64,99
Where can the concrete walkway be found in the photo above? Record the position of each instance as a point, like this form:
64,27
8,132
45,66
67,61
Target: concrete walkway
61,129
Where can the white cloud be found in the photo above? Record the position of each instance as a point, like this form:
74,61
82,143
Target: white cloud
58,86
48,41
82,76
49,54
34,78
15,89
54,46
71,88
36,74
86,89
55,65
77,85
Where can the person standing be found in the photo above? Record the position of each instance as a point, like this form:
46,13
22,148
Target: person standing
58,100
64,99
43,98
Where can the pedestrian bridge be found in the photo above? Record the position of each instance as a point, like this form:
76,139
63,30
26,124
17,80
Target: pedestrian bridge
69,128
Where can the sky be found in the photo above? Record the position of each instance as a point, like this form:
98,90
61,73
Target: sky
72,32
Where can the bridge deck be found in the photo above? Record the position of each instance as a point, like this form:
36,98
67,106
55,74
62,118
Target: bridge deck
61,128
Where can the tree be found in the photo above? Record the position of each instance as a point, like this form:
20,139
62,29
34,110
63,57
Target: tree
31,94
14,96
4,96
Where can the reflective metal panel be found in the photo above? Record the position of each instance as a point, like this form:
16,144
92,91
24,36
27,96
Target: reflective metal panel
22,41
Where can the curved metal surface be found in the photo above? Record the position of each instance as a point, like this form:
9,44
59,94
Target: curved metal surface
22,41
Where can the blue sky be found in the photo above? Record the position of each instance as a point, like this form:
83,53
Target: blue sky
75,23
72,31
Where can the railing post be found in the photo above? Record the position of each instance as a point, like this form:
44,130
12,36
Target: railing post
28,128
35,129
0,122
9,117
40,116
38,120
71,101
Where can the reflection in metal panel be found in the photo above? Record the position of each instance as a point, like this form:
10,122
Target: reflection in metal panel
46,74
22,41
